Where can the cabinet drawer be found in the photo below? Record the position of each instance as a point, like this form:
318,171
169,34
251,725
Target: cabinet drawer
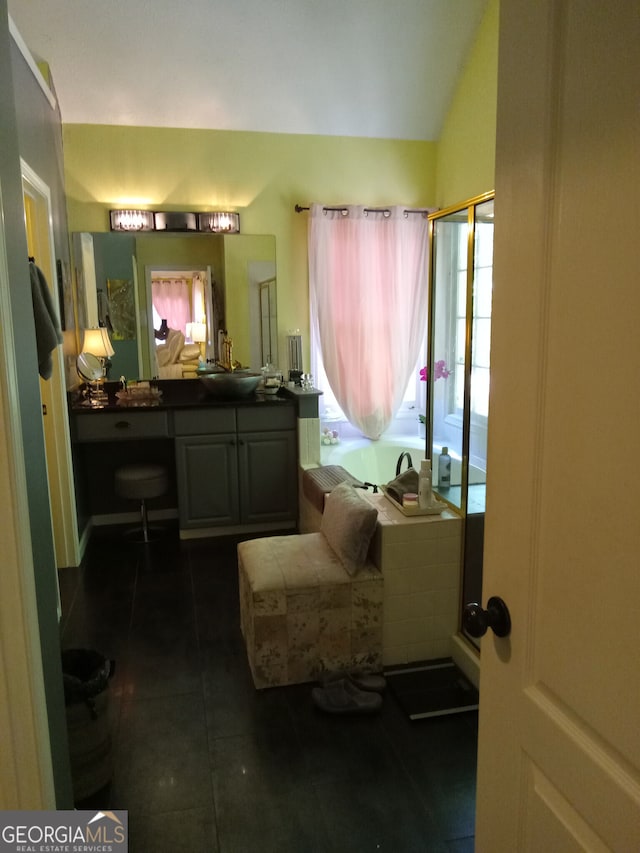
256,418
204,421
112,426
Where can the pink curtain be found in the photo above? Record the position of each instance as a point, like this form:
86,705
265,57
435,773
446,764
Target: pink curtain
170,299
368,281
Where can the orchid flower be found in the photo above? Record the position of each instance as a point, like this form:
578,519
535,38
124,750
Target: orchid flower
440,371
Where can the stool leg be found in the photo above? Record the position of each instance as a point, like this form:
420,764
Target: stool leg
145,525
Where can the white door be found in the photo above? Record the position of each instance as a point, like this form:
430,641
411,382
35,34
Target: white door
559,748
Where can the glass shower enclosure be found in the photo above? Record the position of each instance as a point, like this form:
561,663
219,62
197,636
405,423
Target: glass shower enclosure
460,288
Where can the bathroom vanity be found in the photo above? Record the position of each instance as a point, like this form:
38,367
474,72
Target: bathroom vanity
232,463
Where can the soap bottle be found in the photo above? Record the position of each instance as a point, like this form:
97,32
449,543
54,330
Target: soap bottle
444,469
424,484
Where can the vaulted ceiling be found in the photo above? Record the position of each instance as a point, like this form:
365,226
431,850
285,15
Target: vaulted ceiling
369,68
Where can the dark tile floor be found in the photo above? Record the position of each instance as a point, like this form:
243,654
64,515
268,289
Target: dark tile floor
204,762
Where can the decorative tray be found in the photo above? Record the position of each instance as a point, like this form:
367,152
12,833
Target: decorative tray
435,509
144,396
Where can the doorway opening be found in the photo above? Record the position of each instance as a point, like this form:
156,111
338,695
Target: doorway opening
181,302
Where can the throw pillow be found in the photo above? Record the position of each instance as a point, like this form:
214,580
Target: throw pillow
190,352
348,523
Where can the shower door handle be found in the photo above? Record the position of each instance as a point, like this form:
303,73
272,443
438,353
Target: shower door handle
476,620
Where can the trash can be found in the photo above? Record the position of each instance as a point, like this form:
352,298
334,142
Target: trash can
86,675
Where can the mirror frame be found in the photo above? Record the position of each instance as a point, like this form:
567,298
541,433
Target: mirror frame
89,367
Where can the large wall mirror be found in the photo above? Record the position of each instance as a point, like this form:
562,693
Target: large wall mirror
227,282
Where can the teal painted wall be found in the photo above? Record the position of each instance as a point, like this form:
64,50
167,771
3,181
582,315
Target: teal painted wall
26,130
114,255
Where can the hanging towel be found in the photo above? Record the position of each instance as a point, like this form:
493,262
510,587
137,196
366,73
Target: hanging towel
48,333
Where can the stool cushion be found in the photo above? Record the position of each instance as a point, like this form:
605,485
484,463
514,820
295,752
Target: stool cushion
138,482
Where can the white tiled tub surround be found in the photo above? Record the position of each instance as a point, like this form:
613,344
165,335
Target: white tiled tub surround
420,560
308,442
308,457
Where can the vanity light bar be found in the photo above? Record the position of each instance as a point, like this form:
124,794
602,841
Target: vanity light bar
216,222
174,221
219,222
131,220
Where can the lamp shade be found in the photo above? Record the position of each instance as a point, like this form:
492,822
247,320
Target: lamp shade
98,343
198,332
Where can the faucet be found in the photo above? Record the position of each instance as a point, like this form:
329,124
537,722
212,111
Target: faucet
403,455
226,356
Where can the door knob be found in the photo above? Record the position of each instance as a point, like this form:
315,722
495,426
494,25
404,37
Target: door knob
476,620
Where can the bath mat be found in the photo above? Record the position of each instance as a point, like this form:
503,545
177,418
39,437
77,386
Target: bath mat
431,689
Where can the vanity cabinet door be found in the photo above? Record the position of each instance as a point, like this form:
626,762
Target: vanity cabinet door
207,474
268,476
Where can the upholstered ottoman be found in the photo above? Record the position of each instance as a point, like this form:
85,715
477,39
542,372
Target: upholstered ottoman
302,612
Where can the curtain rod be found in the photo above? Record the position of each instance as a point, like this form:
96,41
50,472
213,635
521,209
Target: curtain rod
422,211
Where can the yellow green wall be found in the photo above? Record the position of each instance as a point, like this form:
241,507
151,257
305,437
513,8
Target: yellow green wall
238,254
262,175
466,149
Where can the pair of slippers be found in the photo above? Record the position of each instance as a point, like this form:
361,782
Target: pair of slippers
355,693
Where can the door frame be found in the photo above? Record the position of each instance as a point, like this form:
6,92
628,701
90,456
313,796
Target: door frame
152,271
64,518
27,771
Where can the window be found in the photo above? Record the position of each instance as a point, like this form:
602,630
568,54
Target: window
368,284
481,324
481,332
413,402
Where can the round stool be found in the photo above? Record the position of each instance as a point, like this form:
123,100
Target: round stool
141,482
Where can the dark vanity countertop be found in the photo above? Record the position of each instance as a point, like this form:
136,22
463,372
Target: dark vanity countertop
183,393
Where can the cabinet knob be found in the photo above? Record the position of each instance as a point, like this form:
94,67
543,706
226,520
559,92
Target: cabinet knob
122,425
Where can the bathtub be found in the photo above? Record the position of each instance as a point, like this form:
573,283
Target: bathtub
375,461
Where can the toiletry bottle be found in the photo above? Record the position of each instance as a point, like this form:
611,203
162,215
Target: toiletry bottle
424,484
444,469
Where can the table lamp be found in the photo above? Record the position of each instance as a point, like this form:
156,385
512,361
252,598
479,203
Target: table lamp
199,336
98,343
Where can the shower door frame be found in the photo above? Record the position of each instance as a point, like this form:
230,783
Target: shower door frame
470,206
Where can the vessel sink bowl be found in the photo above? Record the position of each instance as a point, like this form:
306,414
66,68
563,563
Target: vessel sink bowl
231,386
